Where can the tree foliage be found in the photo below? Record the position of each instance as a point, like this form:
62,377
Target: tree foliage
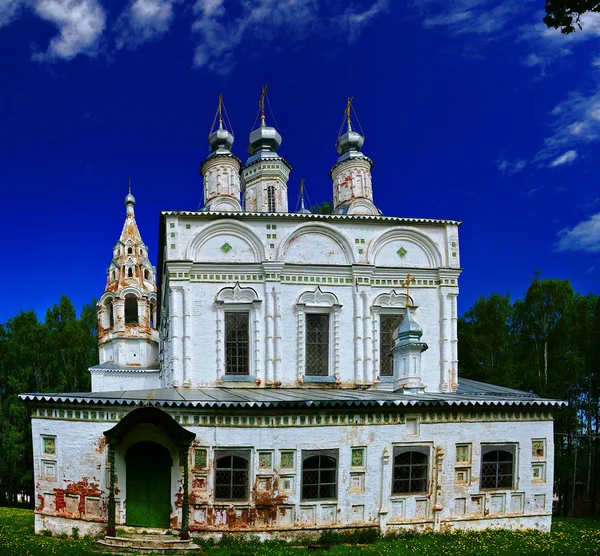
548,342
566,14
49,356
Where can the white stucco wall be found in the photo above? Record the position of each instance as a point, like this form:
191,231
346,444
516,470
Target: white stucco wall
280,259
77,493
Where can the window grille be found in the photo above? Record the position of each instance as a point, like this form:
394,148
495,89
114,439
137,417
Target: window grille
387,325
319,475
237,352
271,198
231,476
317,344
497,469
410,472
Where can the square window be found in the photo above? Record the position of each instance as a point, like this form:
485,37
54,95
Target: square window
171,224
319,474
538,472
462,475
411,470
497,466
231,475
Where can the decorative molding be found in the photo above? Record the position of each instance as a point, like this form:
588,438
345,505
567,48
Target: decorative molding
318,298
237,294
392,299
404,233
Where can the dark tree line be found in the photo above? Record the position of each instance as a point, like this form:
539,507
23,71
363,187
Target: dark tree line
38,356
548,342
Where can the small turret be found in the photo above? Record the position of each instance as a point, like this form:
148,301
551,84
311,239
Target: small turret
407,351
265,174
351,175
221,170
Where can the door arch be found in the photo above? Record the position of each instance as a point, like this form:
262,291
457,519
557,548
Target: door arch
148,478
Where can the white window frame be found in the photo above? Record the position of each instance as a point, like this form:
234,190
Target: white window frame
240,299
318,301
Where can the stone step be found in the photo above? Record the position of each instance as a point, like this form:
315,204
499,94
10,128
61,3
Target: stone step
147,543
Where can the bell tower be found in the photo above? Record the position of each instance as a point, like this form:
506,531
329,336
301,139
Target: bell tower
351,175
221,170
127,327
265,174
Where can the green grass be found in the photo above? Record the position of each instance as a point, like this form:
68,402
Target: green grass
568,536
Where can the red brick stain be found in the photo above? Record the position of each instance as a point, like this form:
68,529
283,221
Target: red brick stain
82,488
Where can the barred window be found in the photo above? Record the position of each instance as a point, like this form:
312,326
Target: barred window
317,344
271,198
410,470
497,467
231,475
319,475
387,325
237,334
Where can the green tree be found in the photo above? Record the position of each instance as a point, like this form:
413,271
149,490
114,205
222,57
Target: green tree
326,207
566,14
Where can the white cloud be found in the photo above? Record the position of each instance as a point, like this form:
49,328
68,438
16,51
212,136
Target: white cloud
80,24
220,32
584,236
510,167
565,158
576,122
9,10
143,21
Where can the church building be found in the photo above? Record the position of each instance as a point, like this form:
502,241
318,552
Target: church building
283,373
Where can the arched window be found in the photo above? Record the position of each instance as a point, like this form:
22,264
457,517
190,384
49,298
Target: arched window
497,467
410,471
131,309
146,275
271,198
231,475
319,475
130,273
129,250
109,319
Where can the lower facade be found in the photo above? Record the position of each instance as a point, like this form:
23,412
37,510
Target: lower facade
286,473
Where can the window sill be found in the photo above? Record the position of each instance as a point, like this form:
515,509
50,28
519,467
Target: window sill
310,378
314,501
238,378
386,378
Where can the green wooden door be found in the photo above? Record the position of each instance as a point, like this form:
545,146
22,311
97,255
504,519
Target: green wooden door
148,485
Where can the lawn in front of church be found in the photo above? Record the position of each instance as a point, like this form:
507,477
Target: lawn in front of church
568,536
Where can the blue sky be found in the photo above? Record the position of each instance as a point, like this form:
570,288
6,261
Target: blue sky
472,110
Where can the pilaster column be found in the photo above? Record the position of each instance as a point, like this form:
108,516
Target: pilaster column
176,311
185,505
385,488
269,339
185,293
358,344
444,340
453,382
278,352
367,339
111,529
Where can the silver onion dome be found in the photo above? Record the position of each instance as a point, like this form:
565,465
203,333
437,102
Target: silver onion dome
350,142
265,138
130,199
220,140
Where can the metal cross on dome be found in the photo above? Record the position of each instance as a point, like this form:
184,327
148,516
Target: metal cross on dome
409,279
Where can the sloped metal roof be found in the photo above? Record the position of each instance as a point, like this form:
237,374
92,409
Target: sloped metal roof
311,216
470,393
